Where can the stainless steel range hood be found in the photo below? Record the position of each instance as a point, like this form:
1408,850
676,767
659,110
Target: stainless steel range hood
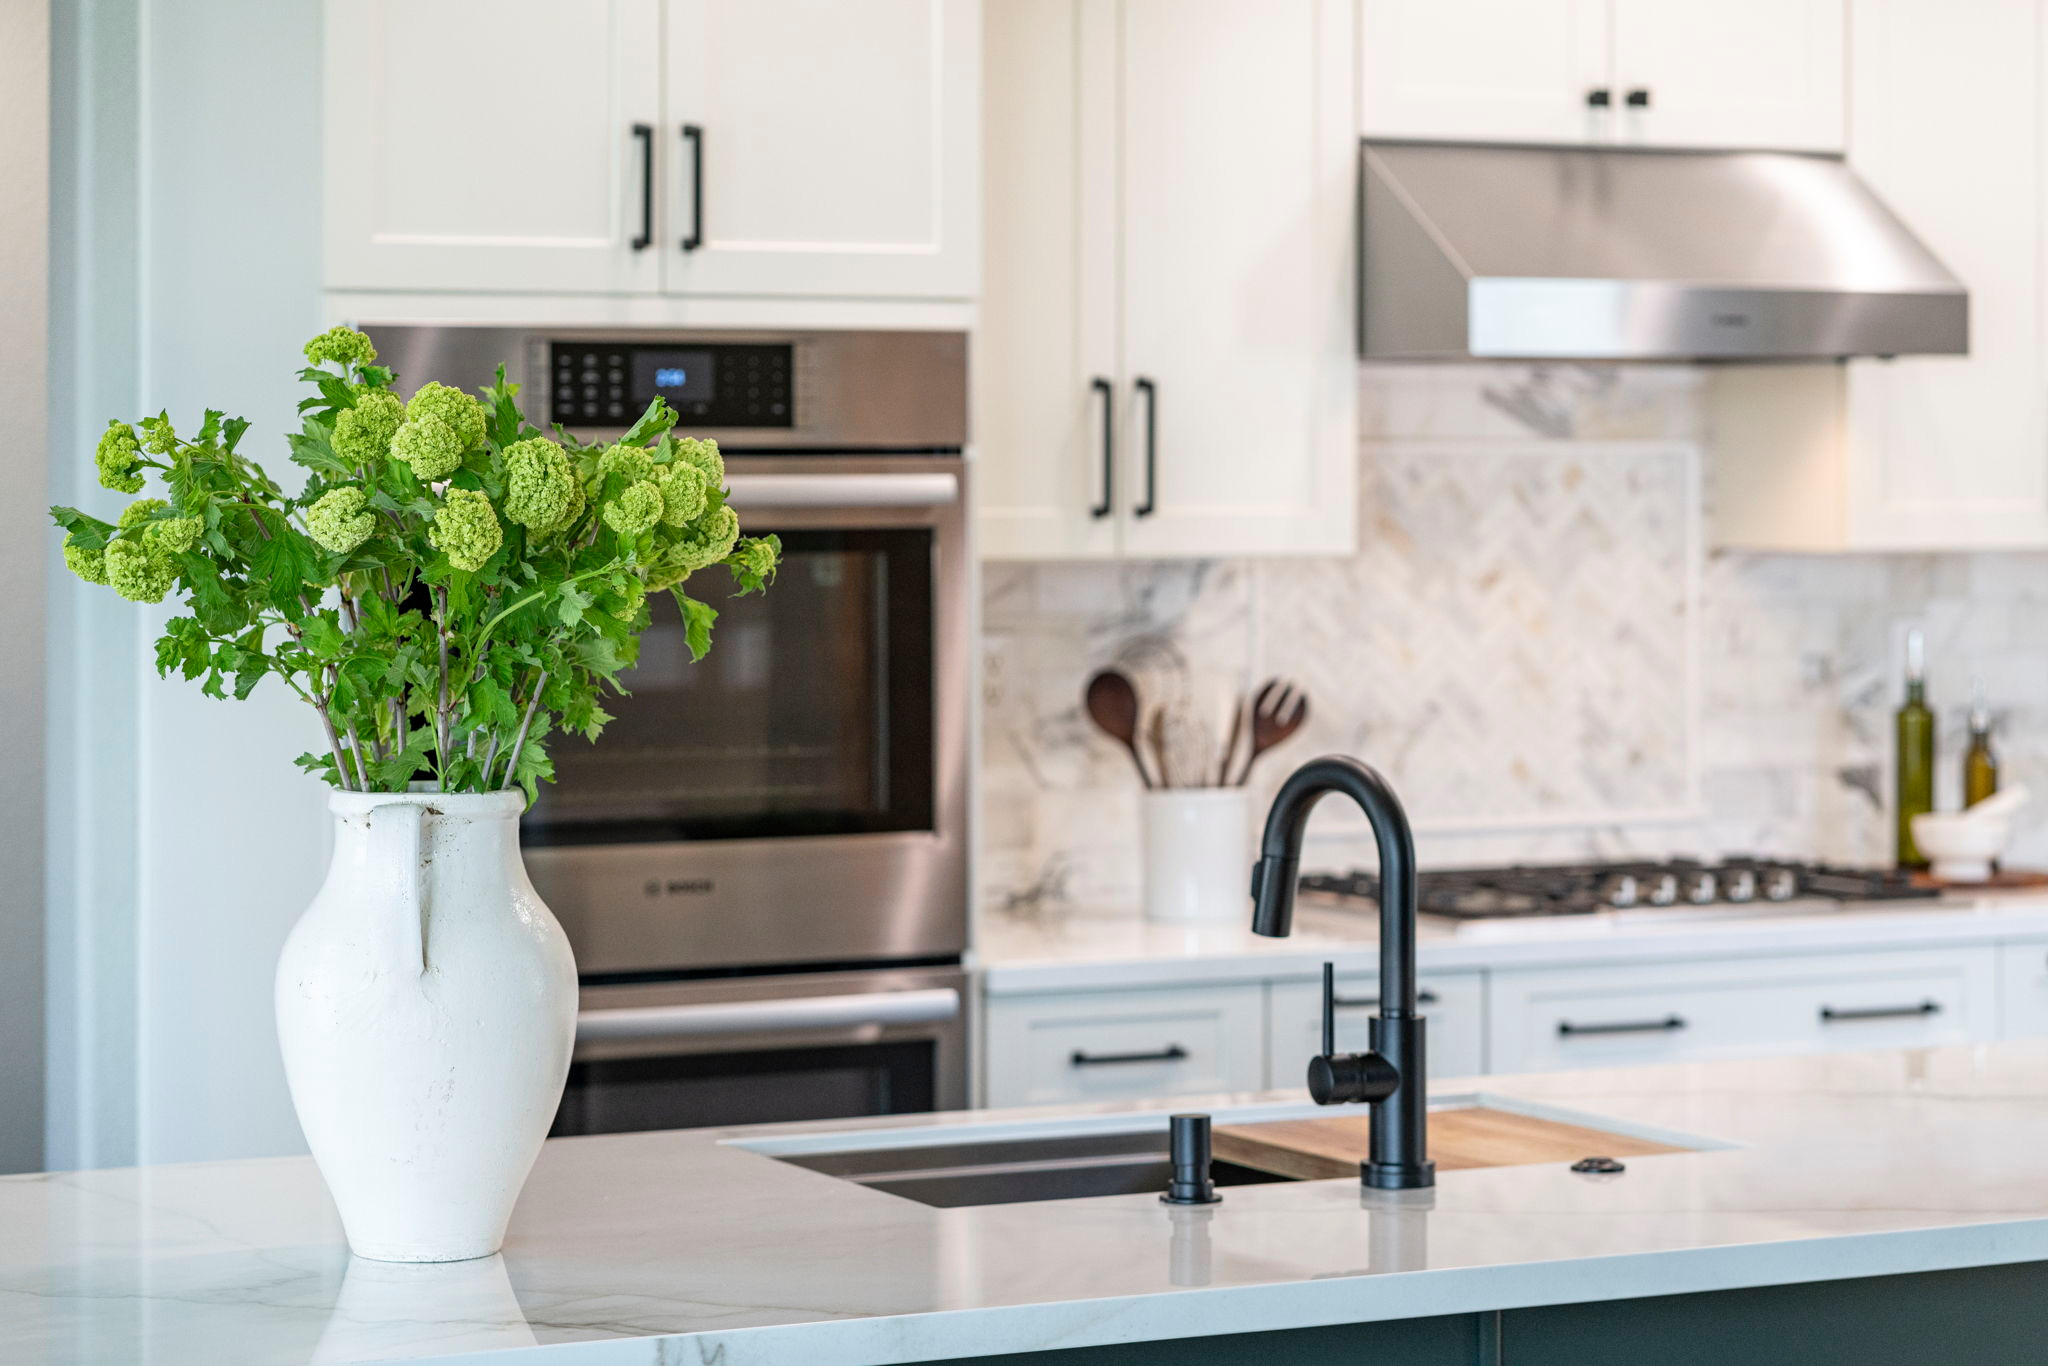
1608,254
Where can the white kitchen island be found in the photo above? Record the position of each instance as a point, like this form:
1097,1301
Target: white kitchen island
685,1247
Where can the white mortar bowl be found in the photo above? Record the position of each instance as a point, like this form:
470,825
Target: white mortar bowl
1961,846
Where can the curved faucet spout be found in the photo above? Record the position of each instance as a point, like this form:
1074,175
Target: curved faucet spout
1393,1076
1279,866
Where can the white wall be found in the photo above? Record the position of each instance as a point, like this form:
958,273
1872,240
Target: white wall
185,841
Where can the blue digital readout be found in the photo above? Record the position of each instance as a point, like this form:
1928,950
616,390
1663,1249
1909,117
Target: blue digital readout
679,375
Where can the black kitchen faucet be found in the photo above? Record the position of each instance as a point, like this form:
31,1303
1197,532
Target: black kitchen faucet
1392,1076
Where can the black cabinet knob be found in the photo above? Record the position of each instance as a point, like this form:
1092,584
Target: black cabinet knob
1639,98
1600,97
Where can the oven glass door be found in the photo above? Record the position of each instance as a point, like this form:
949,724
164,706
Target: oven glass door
696,1090
812,715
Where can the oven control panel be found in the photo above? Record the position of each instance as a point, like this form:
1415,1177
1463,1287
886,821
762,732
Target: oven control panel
719,384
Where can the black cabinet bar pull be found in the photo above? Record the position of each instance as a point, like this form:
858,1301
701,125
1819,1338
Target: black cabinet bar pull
1173,1052
1829,1014
694,137
1151,393
644,134
1108,392
1599,97
1638,98
1424,997
1665,1025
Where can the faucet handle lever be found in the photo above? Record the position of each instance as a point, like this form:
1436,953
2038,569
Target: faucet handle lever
1329,1009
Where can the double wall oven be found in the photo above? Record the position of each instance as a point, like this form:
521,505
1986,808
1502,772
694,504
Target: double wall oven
762,865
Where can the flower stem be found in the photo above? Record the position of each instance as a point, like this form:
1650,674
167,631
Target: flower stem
532,704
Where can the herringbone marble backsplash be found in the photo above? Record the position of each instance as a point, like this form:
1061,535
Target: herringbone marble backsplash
1529,641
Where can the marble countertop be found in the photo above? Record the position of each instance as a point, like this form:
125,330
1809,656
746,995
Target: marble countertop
1108,947
670,1248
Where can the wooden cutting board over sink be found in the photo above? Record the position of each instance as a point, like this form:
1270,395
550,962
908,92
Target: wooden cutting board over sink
1325,1146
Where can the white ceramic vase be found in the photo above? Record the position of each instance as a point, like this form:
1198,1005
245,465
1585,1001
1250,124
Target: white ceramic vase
1198,855
426,1004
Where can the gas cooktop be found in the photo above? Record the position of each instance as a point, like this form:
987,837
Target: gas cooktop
1583,888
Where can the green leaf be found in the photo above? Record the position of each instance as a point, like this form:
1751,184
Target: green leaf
314,448
89,532
697,621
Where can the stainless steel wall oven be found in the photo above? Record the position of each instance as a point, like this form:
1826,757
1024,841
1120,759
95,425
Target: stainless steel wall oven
763,863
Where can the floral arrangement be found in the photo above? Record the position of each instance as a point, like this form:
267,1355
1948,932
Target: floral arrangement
450,590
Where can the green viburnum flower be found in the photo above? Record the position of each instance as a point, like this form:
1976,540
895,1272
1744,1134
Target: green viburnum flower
337,519
138,572
117,456
636,594
157,436
705,542
637,508
138,512
703,455
362,434
90,565
173,535
635,463
466,529
341,345
684,491
429,445
541,492
755,557
463,415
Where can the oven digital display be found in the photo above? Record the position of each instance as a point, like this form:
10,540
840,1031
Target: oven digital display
678,376
709,384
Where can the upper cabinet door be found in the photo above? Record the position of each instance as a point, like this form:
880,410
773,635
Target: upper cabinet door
822,148
497,152
1730,73
1239,176
1484,70
1044,356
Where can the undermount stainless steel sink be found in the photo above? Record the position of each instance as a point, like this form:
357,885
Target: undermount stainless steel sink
1011,1171
1015,1158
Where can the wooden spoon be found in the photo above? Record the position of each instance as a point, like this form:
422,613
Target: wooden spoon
1278,710
1112,702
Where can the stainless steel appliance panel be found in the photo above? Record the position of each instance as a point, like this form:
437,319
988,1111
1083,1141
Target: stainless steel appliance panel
766,1049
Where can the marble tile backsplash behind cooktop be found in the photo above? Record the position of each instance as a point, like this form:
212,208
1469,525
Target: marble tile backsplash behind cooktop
1529,641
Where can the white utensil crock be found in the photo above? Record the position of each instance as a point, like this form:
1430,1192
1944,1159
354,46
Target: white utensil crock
1198,855
426,1004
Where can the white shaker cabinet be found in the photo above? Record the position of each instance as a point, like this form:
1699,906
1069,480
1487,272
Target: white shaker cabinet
499,151
699,148
1119,1045
823,148
1166,363
1654,73
1922,452
1485,70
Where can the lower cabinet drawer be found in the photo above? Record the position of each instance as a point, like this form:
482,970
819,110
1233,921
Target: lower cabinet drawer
1639,1013
1455,1038
2023,990
1110,1045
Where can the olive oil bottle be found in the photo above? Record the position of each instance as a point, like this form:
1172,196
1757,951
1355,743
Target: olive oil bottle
1915,755
1980,765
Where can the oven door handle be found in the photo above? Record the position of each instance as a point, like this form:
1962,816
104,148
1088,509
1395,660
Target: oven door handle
788,1014
906,490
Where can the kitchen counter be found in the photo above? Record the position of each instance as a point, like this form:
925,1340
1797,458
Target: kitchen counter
1099,947
669,1248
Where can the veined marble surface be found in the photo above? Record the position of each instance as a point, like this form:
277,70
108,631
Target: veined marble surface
677,1248
1085,948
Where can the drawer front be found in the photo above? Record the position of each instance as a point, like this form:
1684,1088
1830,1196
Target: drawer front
2023,990
1623,1015
1455,1007
1114,1045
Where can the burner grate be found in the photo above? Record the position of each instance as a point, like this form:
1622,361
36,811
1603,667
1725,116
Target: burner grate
1580,889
